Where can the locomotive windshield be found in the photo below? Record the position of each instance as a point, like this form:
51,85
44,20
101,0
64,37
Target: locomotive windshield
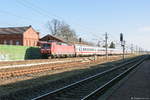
46,45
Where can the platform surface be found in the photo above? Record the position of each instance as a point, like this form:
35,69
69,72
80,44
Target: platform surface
136,87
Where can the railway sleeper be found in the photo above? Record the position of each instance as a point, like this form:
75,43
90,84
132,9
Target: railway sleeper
78,95
73,96
64,98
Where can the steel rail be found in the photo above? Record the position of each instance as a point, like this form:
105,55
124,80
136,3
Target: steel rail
103,88
50,94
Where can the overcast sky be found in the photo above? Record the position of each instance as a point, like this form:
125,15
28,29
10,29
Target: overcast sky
89,18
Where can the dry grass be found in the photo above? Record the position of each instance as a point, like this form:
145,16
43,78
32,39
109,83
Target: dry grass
29,82
88,63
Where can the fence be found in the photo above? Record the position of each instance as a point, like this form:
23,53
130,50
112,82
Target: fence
12,52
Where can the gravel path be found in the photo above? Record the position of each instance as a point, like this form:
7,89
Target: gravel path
35,64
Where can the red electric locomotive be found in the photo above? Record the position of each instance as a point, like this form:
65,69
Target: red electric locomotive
57,49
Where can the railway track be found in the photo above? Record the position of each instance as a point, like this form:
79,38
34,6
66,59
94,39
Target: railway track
34,61
42,61
22,71
37,69
92,87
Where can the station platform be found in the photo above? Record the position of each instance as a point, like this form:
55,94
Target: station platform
136,86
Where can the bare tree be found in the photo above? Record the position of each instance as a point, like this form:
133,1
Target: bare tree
53,26
62,30
67,33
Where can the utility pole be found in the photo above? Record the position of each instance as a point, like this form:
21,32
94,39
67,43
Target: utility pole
106,44
131,48
136,50
140,51
98,43
123,45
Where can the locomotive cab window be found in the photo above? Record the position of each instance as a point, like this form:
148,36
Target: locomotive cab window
46,45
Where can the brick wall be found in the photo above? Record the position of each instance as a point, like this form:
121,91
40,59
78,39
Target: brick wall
30,37
11,39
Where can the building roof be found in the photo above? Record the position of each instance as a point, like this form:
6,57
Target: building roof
49,37
14,30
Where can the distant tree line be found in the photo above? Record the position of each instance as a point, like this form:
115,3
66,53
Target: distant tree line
112,45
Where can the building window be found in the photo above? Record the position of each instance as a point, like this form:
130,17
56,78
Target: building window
5,42
29,42
11,42
35,43
17,42
26,43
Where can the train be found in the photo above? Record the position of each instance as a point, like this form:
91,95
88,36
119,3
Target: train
59,49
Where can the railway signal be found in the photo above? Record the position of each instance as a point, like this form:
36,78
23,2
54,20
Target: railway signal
122,44
80,40
121,37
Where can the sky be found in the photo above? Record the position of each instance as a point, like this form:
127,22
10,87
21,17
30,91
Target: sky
89,18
